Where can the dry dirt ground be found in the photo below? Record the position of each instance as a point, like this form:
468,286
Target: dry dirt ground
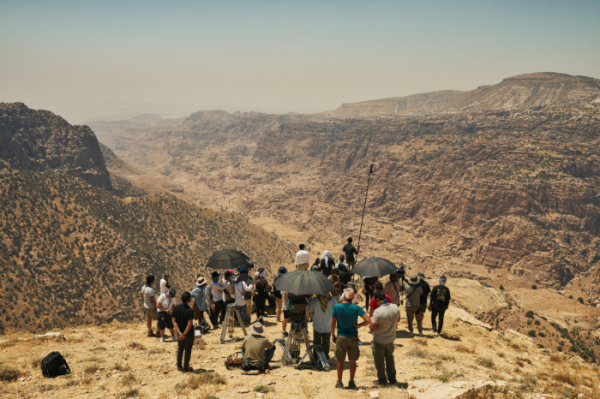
118,360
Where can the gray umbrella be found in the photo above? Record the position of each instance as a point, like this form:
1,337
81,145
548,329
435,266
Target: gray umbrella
227,259
304,282
374,267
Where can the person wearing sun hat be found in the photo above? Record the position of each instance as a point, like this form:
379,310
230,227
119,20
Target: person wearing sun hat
423,299
413,303
201,296
257,350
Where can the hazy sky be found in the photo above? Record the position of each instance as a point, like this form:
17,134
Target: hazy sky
113,59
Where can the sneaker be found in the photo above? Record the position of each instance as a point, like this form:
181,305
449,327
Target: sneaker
285,334
162,339
339,385
351,385
382,382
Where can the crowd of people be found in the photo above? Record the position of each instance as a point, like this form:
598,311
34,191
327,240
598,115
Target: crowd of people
335,316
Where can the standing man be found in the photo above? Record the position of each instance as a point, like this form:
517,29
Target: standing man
321,309
302,258
423,299
327,264
383,326
147,294
165,305
341,266
413,303
183,320
219,303
277,294
337,283
344,317
202,296
392,289
164,284
229,292
261,295
243,292
350,251
440,299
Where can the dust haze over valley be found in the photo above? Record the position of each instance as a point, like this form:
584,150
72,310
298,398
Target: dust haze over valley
116,162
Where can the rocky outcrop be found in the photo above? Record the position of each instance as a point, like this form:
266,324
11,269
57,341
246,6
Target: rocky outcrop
40,140
428,389
518,92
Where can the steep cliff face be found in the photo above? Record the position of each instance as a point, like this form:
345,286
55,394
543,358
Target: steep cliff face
518,92
40,140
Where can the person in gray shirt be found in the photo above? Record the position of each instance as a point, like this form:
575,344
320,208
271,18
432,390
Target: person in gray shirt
383,326
321,309
413,303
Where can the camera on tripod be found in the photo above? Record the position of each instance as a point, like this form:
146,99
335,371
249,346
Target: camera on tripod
298,308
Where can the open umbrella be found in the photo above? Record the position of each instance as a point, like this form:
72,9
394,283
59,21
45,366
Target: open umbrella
304,282
227,259
374,267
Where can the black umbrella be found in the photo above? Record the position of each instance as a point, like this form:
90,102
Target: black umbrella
304,282
227,259
374,267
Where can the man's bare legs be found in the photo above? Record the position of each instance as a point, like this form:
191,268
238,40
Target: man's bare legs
340,370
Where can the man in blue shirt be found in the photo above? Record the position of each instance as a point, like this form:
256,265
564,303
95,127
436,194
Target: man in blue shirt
345,317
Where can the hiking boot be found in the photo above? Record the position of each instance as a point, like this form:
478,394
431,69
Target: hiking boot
382,382
285,334
187,369
393,382
151,334
410,333
351,385
162,339
339,385
179,368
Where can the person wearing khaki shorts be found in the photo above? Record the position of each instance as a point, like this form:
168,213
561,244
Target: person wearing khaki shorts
344,320
302,258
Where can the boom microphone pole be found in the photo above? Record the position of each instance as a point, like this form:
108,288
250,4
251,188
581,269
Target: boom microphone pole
371,165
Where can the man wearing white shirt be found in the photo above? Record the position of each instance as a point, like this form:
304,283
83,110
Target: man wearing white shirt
164,284
242,285
302,259
219,304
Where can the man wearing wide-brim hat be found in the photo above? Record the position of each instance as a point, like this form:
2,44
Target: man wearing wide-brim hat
413,303
201,296
256,348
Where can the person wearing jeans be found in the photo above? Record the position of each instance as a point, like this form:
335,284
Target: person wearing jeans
218,306
321,309
243,287
440,299
183,320
383,326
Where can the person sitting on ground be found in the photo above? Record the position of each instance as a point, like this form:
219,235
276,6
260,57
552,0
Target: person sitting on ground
392,289
165,305
316,266
243,290
413,303
202,297
257,350
350,251
164,284
327,264
183,320
148,296
341,266
383,326
302,258
423,298
277,294
321,309
344,320
440,299
218,306
373,304
337,283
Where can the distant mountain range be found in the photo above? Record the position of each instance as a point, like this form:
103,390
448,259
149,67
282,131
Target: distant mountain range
517,92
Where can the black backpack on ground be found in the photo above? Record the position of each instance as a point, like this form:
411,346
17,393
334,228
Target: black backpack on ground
54,365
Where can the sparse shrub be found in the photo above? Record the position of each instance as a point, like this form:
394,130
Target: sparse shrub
8,373
421,342
262,389
531,333
464,349
415,351
129,393
565,378
136,345
534,287
485,362
128,379
555,359
529,314
91,369
120,367
501,288
580,300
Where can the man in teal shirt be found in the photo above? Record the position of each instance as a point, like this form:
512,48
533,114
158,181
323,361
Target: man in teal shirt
345,317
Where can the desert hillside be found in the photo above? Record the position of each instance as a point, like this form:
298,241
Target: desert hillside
517,92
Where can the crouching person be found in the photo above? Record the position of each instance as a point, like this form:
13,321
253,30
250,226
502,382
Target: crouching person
257,350
183,320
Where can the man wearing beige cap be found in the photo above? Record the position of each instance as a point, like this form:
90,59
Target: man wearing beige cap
257,350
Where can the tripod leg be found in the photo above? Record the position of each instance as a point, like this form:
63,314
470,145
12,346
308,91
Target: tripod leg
287,358
239,317
225,325
302,359
307,343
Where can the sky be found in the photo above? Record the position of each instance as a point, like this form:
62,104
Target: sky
92,60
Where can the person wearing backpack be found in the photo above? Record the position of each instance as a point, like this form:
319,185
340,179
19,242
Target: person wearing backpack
440,299
413,304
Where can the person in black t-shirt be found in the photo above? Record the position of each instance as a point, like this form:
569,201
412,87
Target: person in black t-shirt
440,299
183,320
350,251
